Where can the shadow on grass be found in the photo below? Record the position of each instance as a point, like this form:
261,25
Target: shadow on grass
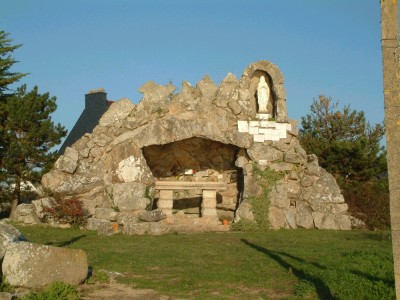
372,278
321,288
66,243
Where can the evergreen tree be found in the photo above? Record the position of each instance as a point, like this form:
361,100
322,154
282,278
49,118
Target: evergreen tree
7,77
29,136
27,132
345,143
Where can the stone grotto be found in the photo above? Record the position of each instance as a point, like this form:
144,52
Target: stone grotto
184,161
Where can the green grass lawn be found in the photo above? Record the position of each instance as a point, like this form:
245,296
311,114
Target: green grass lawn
284,264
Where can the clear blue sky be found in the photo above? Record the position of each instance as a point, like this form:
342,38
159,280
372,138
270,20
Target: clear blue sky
329,47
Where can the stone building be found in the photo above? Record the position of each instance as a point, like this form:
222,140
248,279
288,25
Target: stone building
192,155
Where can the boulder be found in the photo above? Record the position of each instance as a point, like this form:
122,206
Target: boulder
152,216
94,224
68,161
128,196
31,265
151,228
264,152
38,205
293,157
105,213
116,112
8,234
25,213
244,212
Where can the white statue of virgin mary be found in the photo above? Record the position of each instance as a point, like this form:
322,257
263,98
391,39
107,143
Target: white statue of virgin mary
262,95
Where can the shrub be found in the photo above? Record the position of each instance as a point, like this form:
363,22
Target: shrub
369,201
55,291
67,211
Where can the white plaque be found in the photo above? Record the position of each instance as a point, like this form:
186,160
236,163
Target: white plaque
259,138
253,130
243,126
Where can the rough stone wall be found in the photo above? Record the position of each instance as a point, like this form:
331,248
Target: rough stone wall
113,154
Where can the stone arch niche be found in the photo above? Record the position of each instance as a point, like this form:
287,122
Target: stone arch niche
199,160
275,80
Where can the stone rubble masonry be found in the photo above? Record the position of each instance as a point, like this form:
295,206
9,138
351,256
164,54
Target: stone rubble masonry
214,130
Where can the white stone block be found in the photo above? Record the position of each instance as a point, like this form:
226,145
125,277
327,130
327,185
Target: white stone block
281,126
263,116
259,138
266,131
288,126
268,137
263,162
281,133
243,126
254,123
253,130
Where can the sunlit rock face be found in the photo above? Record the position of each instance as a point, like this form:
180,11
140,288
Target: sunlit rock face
204,133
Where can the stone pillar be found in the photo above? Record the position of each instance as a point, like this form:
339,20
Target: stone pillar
209,203
165,202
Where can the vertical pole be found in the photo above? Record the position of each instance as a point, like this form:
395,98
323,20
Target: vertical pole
391,76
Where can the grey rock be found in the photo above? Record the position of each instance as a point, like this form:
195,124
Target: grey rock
260,151
318,218
234,107
329,222
40,204
207,88
312,170
93,223
152,216
241,161
108,229
279,196
154,95
8,234
116,112
281,166
127,196
293,157
290,218
33,266
105,213
25,213
68,161
308,180
151,228
305,220
244,212
343,221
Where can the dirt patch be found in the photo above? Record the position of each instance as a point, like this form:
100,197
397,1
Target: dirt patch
119,291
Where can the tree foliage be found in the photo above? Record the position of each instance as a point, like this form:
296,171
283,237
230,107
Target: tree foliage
349,147
345,143
27,132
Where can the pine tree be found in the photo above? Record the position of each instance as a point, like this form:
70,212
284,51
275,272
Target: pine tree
345,143
7,78
29,134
